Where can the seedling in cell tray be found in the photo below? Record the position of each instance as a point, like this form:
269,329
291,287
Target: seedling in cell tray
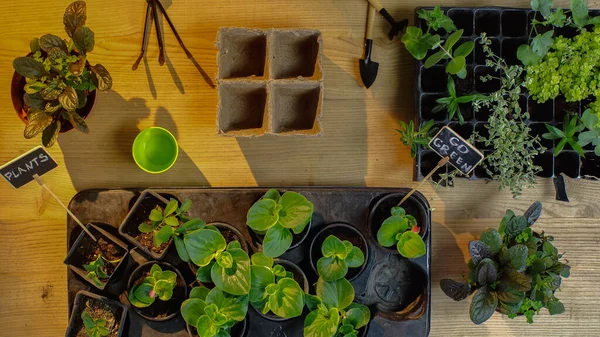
592,135
412,138
452,103
567,135
458,58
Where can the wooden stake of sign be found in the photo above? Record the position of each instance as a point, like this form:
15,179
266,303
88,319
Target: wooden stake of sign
40,182
441,163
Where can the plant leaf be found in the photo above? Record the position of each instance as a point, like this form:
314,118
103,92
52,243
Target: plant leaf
527,56
491,238
83,38
452,39
457,291
555,307
103,77
516,225
164,234
560,146
50,134
277,241
541,44
580,12
261,277
74,17
319,325
272,194
181,251
237,283
411,245
355,258
262,215
191,225
50,41
487,272
28,67
483,305
417,43
479,251
333,247
202,245
331,268
386,235
156,215
34,45
192,309
77,121
533,213
510,300
337,294
357,315
515,279
295,210
56,54
37,121
457,64
542,6
288,300
516,256
68,99
434,59
464,49
145,228
203,273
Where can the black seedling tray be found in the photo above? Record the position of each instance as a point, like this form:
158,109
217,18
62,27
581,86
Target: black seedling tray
507,28
108,208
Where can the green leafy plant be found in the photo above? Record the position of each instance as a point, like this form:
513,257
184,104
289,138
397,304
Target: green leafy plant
158,284
333,312
513,269
401,230
97,270
511,161
213,312
418,43
458,58
59,78
567,135
413,139
274,289
276,217
225,265
452,103
163,223
338,256
94,327
592,135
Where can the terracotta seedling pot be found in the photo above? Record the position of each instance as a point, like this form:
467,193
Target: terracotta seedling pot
118,310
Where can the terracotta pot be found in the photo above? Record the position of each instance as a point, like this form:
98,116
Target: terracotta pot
17,90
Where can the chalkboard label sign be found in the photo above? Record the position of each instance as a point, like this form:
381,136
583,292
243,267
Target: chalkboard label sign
461,153
21,170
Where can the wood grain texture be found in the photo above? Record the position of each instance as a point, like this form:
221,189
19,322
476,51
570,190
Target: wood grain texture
359,148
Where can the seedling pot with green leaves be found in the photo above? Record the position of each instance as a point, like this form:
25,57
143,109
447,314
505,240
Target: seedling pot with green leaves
54,87
156,291
151,204
399,230
281,222
513,270
278,287
97,262
96,316
339,251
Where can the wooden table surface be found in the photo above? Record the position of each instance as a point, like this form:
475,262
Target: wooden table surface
359,148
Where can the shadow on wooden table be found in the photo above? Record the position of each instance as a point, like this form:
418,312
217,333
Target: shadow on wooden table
339,155
102,158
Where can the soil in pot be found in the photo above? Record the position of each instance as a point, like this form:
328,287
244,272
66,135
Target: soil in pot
98,310
159,310
343,232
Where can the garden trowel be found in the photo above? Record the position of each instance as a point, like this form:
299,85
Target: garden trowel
368,68
397,27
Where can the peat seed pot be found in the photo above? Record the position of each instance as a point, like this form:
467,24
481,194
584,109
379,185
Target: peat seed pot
382,210
230,234
343,232
159,311
299,277
113,312
85,251
139,213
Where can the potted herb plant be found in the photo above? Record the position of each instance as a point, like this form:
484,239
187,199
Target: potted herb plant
279,221
230,234
153,220
335,258
96,316
96,261
156,290
513,270
405,227
333,311
213,312
54,87
277,288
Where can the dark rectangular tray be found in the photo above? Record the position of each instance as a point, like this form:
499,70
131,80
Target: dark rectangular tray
507,28
108,208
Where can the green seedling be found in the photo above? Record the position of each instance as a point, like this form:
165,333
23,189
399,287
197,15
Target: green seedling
452,103
333,312
413,139
592,135
338,256
164,223
274,288
213,312
419,43
567,136
512,270
158,284
94,327
59,79
97,270
401,230
276,217
458,57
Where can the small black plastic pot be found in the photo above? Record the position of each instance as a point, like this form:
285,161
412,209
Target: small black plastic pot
382,210
238,330
85,246
84,299
139,213
297,239
343,232
298,274
159,311
230,233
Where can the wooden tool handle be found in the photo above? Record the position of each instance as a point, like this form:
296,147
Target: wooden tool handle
441,163
378,6
370,22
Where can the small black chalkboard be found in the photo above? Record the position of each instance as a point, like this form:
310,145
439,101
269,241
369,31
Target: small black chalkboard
461,153
21,170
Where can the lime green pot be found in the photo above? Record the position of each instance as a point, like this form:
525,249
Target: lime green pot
155,150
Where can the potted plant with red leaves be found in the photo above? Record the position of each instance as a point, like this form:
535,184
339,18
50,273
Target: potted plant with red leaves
54,87
513,270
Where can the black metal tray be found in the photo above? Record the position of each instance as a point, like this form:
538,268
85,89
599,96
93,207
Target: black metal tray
108,208
507,28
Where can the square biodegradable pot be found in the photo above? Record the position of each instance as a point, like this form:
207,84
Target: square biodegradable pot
242,108
242,53
296,108
85,245
139,213
295,53
119,311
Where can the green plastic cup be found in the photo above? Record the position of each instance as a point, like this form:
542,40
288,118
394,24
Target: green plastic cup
155,150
